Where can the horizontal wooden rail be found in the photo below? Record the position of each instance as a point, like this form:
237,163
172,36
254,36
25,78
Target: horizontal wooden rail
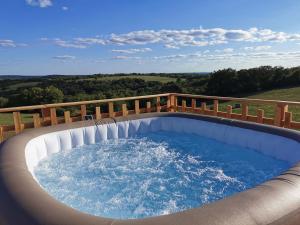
58,105
247,100
48,114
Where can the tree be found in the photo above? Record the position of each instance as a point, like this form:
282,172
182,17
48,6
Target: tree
53,95
223,82
36,95
32,96
171,87
3,102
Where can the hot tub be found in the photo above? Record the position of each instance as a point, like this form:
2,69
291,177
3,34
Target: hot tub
25,201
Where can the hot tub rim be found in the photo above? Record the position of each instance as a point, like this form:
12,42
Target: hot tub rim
16,207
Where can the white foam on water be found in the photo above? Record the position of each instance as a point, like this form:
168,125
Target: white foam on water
154,174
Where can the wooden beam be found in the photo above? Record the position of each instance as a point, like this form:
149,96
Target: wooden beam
175,103
203,107
1,134
260,116
36,120
171,101
280,113
158,107
98,113
83,111
45,114
148,109
53,116
245,111
169,104
216,107
17,122
183,106
111,112
67,116
288,119
124,110
193,104
137,106
229,111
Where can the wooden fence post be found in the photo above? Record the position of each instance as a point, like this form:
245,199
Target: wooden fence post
67,116
98,113
216,107
229,111
45,114
148,109
158,107
83,111
17,122
111,112
1,134
36,120
171,103
124,110
280,112
183,106
203,107
194,104
260,116
175,103
245,111
137,106
288,119
53,116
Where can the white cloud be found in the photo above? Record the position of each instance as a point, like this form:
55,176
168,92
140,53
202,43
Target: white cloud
39,3
11,44
171,46
257,48
65,44
7,43
65,8
123,57
64,57
175,39
89,41
230,57
132,51
226,50
200,37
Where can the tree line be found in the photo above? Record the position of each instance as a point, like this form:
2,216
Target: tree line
225,82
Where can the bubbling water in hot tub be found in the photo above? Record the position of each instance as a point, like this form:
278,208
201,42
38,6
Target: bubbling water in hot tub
152,174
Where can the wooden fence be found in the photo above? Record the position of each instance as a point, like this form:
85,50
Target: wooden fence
235,108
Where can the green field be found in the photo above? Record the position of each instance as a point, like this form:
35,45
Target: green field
161,79
23,85
7,118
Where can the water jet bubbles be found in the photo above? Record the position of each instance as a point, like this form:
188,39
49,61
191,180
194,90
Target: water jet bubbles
153,174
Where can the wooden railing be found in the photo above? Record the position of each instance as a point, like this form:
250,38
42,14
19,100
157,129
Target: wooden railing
235,108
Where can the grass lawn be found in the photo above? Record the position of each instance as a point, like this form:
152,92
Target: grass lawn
285,94
7,118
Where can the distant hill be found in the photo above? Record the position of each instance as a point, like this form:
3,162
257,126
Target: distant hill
18,77
15,77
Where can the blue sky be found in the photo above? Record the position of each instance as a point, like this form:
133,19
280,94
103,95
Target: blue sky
95,36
